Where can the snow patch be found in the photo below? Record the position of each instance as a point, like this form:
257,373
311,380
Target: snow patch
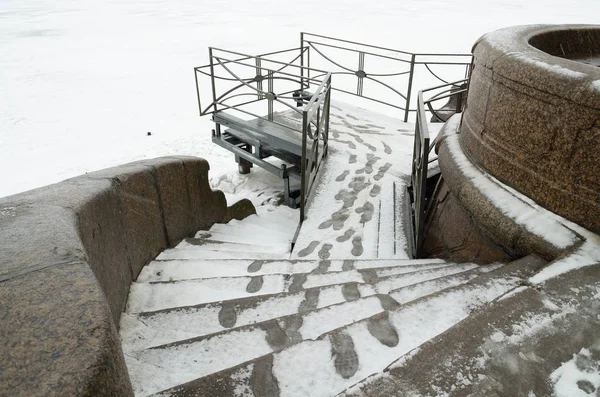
578,377
588,254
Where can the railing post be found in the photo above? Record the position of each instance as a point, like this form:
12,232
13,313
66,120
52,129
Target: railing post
303,165
270,97
212,78
198,92
409,91
301,61
326,110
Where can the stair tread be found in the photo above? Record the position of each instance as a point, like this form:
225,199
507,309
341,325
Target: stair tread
370,345
162,295
254,239
215,254
194,244
175,270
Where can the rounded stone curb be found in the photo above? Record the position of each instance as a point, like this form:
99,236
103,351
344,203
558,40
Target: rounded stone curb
501,229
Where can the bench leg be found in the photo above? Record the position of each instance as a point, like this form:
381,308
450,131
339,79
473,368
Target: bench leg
243,164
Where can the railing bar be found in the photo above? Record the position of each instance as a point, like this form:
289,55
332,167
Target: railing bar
443,54
435,75
442,63
449,94
312,43
246,57
198,92
354,42
444,85
331,60
388,74
253,66
372,99
387,86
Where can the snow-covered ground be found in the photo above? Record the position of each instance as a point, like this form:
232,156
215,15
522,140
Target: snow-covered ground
82,82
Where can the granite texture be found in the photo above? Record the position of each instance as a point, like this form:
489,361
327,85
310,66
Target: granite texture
68,254
500,351
58,337
533,116
463,225
239,210
452,234
141,214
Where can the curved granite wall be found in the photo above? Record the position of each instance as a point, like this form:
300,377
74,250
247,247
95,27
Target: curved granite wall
533,115
68,254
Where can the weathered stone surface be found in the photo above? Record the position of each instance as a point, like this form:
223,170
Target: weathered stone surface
102,233
58,338
239,210
76,219
495,353
171,184
464,225
68,254
145,234
207,206
36,236
533,116
452,234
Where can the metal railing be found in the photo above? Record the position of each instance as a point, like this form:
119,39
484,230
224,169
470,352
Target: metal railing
398,71
419,172
455,94
241,84
238,80
314,141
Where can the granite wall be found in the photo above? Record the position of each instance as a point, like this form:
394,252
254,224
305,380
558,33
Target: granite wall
533,115
68,254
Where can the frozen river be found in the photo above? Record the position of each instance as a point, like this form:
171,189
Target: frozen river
82,82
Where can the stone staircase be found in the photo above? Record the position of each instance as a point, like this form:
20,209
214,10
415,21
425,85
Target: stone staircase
231,312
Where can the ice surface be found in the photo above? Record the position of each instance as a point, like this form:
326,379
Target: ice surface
83,82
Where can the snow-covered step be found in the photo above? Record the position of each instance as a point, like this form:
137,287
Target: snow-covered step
270,223
386,245
171,270
383,285
161,295
347,355
415,291
243,230
244,238
183,254
201,356
194,244
168,325
209,318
